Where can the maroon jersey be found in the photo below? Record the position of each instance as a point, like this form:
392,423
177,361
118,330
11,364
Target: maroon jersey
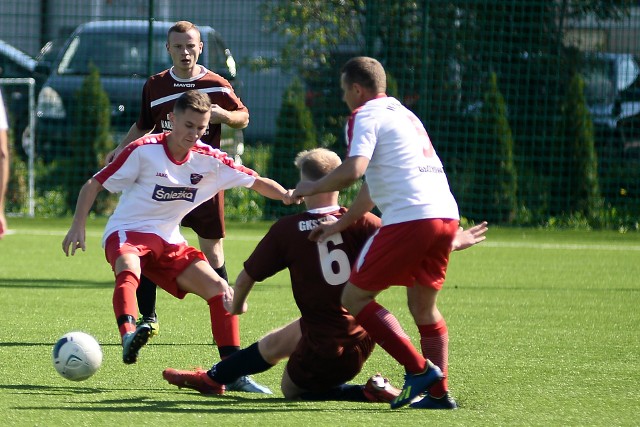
161,91
318,271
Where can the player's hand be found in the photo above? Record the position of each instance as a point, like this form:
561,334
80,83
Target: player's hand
466,238
304,188
218,115
227,301
289,199
324,230
75,239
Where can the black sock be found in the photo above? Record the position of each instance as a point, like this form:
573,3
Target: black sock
222,272
146,294
244,362
125,318
227,350
344,392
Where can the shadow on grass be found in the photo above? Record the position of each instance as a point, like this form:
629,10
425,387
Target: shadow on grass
54,284
221,404
42,389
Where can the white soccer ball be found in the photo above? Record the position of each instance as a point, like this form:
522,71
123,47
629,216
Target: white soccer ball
77,356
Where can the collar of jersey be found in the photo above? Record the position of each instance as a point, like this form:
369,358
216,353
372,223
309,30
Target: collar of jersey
324,210
203,71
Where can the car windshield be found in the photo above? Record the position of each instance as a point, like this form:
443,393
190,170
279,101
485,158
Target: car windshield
114,56
605,78
599,82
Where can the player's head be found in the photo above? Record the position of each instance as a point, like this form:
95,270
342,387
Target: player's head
192,100
184,45
315,164
362,78
190,117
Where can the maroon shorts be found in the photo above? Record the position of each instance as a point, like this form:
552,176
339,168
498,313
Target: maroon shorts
405,254
160,261
312,369
207,220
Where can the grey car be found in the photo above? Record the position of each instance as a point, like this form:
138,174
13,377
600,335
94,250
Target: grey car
126,54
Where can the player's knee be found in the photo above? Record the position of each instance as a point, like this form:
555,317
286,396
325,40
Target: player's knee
289,391
354,300
272,349
288,388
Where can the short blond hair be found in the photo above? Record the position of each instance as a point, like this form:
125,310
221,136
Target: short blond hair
317,163
183,27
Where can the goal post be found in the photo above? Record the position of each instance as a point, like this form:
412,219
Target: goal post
27,137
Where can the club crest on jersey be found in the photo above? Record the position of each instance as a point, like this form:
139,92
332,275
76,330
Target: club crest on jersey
167,194
195,178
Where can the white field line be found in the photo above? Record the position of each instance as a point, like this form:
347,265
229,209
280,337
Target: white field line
487,243
61,233
562,246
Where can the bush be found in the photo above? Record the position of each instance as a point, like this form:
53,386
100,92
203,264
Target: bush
90,141
242,204
18,186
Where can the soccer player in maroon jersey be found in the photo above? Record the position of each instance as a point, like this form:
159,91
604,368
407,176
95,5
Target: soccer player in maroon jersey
159,93
326,347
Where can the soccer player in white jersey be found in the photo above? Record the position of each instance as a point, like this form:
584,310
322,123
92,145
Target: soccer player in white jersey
163,177
4,164
184,45
405,179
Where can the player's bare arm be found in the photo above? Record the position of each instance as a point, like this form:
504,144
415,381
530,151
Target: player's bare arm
466,238
133,134
360,206
352,169
234,119
75,238
236,300
271,189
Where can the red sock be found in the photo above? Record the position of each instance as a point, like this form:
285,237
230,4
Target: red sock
224,326
434,340
125,305
385,330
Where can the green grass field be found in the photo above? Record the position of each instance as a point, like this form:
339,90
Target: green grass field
544,330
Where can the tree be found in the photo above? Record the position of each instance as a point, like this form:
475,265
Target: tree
577,178
90,140
495,173
295,132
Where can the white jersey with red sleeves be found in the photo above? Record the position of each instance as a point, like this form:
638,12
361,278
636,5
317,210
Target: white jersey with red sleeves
405,176
158,191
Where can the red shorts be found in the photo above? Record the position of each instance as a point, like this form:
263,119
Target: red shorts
404,254
160,261
207,220
311,370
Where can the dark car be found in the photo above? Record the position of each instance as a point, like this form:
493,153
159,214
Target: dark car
612,89
126,53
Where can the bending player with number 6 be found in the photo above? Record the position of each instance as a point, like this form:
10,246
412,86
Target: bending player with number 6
326,347
405,179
